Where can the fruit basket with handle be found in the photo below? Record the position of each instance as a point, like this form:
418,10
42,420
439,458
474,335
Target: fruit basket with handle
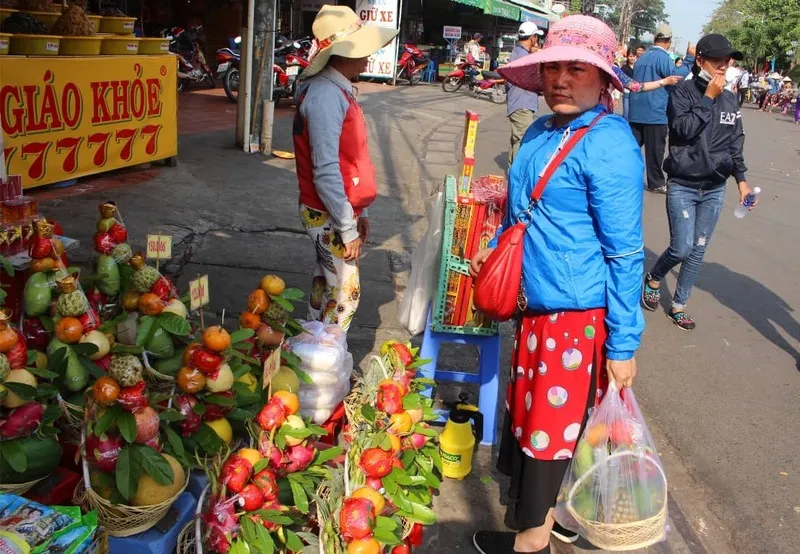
19,488
190,541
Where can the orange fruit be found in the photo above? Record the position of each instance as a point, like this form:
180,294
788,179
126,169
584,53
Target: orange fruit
105,391
191,380
400,424
377,499
273,285
249,320
69,330
250,454
597,434
42,264
291,404
364,546
150,304
8,339
257,302
130,300
395,440
216,339
187,354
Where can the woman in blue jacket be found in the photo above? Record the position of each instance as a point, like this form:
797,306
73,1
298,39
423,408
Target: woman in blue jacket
582,267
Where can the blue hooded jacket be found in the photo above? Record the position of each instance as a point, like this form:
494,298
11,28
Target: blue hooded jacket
584,248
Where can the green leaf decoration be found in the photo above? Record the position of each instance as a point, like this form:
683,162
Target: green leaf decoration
51,414
385,523
127,426
174,441
48,323
422,514
145,330
84,349
220,400
241,335
107,419
156,465
283,303
300,497
25,392
369,412
57,363
170,415
208,440
43,373
174,324
389,538
127,349
129,469
241,414
239,546
400,477
412,401
46,391
274,516
91,368
325,456
15,456
7,267
293,542
293,294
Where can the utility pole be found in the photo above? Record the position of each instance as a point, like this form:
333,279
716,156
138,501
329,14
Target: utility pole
256,107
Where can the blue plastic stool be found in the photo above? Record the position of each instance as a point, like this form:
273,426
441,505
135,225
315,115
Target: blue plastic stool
154,541
431,72
488,376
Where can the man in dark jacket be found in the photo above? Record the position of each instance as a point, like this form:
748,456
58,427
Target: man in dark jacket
706,140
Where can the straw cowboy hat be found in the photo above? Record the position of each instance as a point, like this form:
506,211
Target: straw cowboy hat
578,38
338,32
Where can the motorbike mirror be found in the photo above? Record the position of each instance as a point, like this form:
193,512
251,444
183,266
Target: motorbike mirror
237,40
297,45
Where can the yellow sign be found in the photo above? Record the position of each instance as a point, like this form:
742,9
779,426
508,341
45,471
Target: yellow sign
159,247
198,293
64,118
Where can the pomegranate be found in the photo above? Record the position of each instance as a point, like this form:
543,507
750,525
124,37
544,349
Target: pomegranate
89,320
376,462
272,415
133,397
390,396
41,248
103,243
146,424
215,411
270,451
404,548
192,420
205,361
415,537
36,336
357,518
104,451
265,480
118,233
18,355
374,483
162,288
236,472
416,441
300,457
251,498
22,421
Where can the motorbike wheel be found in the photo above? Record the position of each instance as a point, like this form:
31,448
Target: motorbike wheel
231,84
210,80
181,85
415,78
499,94
452,84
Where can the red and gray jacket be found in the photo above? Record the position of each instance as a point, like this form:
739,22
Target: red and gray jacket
334,170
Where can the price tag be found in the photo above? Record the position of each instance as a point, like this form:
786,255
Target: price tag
198,293
159,247
271,366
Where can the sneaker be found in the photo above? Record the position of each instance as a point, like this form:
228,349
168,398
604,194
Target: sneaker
682,320
651,297
563,534
660,190
497,542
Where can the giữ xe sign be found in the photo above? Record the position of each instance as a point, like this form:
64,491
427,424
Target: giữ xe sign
64,118
380,13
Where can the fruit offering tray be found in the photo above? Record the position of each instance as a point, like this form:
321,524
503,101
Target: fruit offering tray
22,260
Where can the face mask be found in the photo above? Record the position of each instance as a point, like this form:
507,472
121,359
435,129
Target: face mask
705,75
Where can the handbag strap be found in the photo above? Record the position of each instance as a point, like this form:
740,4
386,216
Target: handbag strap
556,162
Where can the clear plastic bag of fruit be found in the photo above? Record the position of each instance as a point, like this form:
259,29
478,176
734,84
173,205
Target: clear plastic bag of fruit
615,490
320,348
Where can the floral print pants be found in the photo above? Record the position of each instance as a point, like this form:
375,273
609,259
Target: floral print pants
335,285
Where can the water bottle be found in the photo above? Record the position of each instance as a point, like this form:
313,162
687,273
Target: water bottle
742,209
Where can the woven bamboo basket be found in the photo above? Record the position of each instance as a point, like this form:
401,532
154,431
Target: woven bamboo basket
121,520
353,401
20,488
620,537
72,423
156,381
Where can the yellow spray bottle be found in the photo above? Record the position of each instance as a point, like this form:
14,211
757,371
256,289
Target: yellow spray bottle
457,441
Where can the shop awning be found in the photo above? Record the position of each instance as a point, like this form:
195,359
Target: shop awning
501,9
540,20
473,3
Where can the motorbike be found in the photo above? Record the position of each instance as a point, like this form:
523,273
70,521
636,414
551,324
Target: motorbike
192,66
492,84
228,68
411,64
290,60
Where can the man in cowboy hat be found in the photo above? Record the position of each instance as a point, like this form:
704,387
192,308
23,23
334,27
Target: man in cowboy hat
334,170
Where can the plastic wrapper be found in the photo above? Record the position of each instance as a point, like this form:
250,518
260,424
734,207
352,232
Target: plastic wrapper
615,491
330,378
320,348
424,265
35,523
323,397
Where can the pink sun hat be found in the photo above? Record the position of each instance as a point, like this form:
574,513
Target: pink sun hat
578,38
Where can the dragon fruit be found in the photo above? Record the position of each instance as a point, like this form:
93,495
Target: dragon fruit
390,396
251,498
236,472
269,451
103,451
272,415
357,518
191,421
376,462
22,421
265,480
300,457
133,397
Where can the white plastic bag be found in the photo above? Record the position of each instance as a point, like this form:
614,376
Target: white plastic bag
329,378
413,310
320,348
614,493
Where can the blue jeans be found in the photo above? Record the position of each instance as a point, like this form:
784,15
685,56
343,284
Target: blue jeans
626,99
692,214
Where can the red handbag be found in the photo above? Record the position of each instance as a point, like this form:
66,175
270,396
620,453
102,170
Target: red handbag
498,292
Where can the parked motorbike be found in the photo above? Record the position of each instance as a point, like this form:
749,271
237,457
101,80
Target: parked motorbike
411,64
290,60
492,84
463,73
228,68
192,66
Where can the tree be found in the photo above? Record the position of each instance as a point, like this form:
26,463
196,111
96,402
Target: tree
628,16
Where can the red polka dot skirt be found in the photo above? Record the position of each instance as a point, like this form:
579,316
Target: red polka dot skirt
551,373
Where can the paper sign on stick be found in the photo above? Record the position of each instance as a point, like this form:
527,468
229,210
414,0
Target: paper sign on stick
198,293
271,366
159,247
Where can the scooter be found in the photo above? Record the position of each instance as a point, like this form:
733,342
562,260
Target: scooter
192,65
411,64
492,85
463,73
228,68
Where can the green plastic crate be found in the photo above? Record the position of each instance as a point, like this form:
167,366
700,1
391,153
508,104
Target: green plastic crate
451,263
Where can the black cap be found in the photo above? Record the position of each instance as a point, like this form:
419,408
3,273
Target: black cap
717,47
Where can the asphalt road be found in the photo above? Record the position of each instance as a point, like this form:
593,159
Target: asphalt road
726,397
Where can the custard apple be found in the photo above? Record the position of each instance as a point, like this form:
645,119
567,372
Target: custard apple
276,314
145,278
5,367
72,304
122,253
126,369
